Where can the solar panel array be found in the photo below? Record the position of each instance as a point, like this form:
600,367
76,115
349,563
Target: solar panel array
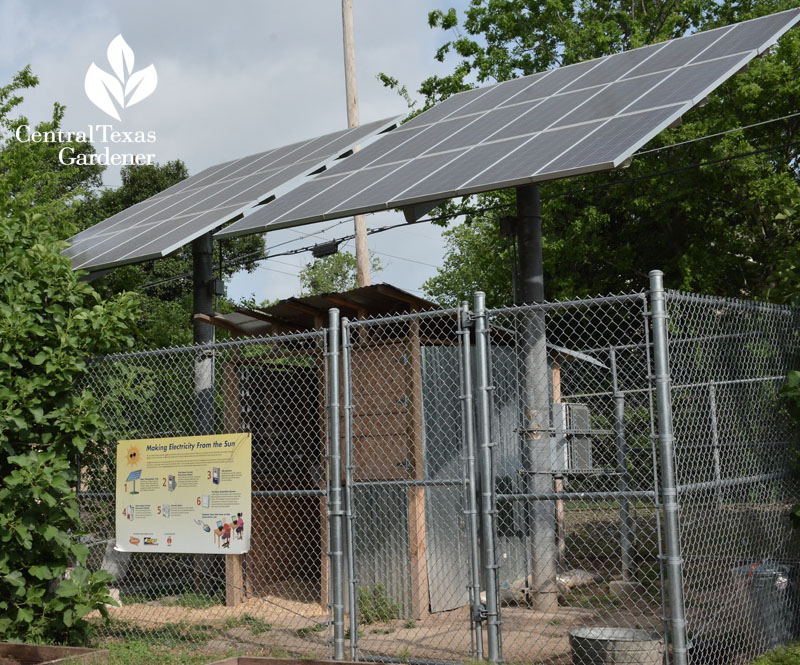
165,222
586,117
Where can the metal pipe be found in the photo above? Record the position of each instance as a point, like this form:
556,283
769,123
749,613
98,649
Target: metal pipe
289,493
733,482
537,461
686,386
335,511
567,304
712,405
471,485
347,405
486,470
433,482
579,496
625,540
203,335
669,494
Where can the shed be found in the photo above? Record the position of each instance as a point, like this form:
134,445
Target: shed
289,549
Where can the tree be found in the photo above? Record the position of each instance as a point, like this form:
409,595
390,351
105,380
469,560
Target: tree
50,323
714,228
332,274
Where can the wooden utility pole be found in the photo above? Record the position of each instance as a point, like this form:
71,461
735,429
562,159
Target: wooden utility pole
351,90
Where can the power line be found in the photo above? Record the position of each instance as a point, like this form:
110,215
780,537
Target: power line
712,136
259,256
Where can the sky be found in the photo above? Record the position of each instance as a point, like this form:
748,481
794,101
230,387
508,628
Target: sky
235,79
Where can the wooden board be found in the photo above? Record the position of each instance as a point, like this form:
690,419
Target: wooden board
33,654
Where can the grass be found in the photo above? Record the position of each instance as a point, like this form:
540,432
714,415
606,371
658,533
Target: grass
309,630
144,653
784,656
253,624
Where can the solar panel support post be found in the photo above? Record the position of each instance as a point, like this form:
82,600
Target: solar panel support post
203,334
205,565
538,445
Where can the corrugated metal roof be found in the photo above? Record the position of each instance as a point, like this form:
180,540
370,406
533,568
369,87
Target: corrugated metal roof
310,312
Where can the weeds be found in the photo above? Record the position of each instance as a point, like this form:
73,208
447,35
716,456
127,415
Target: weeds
253,624
376,606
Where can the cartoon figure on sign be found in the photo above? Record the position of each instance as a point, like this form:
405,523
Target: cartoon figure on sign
238,522
222,534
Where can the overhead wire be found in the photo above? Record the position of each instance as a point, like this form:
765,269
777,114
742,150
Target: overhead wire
261,256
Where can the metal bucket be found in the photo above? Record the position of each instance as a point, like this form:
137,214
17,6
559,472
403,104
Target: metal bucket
615,646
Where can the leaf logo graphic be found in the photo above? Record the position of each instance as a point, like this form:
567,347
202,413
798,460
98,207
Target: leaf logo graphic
125,87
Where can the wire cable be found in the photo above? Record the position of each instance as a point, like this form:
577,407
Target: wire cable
717,134
259,256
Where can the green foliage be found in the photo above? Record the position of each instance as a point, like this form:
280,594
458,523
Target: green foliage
253,624
728,228
144,653
789,655
306,631
50,322
790,392
376,606
31,175
333,274
46,591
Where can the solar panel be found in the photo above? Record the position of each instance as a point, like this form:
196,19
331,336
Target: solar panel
586,117
171,219
134,475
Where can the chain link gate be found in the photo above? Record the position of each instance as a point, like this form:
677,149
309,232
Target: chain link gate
559,482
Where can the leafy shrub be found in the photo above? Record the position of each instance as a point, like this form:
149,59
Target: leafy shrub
375,605
49,324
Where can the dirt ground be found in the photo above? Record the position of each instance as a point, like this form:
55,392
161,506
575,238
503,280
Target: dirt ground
280,627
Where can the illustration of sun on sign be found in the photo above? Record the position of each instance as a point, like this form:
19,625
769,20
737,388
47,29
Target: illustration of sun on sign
133,455
125,86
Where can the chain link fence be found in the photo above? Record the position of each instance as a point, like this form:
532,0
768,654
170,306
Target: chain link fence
735,463
275,598
605,478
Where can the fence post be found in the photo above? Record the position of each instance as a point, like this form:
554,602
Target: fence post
335,485
486,465
669,494
712,405
471,489
625,539
347,406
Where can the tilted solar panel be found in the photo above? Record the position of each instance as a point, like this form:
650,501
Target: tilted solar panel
586,117
173,218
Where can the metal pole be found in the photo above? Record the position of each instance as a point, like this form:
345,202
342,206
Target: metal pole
206,566
669,495
712,398
625,540
335,485
486,464
538,451
202,274
347,405
351,91
471,489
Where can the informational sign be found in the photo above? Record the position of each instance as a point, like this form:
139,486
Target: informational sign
184,494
